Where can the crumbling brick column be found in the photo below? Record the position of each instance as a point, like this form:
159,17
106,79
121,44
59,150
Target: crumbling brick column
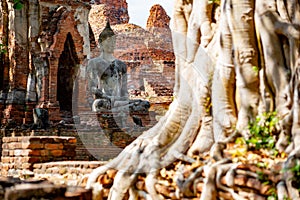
18,63
36,36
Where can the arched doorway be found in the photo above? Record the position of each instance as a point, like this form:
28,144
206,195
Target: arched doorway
66,76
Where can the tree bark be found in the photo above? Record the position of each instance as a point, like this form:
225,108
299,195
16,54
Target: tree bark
223,71
241,23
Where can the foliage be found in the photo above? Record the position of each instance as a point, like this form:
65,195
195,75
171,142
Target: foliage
255,69
264,179
296,175
18,4
2,48
263,131
272,194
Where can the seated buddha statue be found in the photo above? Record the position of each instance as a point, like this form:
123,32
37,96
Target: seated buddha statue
107,76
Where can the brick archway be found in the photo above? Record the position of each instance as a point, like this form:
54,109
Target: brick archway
66,76
66,28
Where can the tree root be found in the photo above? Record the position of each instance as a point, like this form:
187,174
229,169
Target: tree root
281,191
183,157
190,120
210,187
185,185
289,176
135,194
229,171
153,150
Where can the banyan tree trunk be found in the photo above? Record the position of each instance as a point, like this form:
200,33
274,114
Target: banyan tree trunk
224,65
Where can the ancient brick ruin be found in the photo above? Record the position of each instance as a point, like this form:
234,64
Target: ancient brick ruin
23,152
46,49
49,43
148,54
60,42
102,10
45,63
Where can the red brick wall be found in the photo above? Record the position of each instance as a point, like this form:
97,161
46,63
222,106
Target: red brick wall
23,152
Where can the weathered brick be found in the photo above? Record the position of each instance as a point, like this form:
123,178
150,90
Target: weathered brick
5,152
28,145
18,152
26,165
32,139
5,159
131,49
70,147
54,146
44,153
5,168
11,153
47,140
4,146
30,152
9,139
72,140
56,153
5,140
14,145
29,159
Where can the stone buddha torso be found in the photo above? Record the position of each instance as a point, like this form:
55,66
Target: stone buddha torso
113,81
108,79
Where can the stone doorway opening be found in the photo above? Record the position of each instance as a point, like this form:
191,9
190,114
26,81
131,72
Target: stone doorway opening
67,70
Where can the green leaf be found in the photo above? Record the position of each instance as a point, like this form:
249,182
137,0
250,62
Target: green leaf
240,140
2,48
261,165
18,6
255,69
253,140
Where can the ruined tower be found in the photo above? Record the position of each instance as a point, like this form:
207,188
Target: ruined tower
48,42
45,47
